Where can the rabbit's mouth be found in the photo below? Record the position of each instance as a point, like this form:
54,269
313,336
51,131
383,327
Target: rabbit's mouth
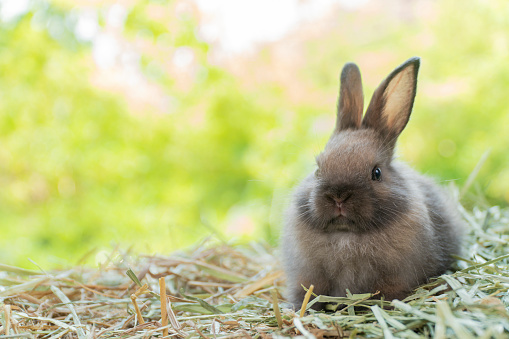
341,223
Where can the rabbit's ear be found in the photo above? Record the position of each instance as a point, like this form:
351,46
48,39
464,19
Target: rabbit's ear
391,104
351,99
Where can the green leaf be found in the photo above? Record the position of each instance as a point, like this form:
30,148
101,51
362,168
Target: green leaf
203,303
133,277
199,308
251,302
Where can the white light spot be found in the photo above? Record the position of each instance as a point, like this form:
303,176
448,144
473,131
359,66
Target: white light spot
209,32
105,50
183,57
116,16
87,26
11,9
239,25
353,4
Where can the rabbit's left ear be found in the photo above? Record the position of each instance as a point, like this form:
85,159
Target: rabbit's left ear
391,104
351,99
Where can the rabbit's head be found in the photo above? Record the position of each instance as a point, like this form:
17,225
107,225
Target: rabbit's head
356,187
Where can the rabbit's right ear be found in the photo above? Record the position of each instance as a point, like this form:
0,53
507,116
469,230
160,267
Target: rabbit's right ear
391,104
351,98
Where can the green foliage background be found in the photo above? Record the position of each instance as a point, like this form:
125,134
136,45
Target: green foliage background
84,166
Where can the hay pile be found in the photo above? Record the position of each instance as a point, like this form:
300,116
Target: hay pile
224,291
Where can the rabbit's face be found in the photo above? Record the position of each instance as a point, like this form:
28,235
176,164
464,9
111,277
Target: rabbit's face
356,188
355,185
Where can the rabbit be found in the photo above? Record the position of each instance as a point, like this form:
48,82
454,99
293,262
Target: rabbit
363,220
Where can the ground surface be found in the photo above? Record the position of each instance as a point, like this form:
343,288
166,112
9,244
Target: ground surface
219,291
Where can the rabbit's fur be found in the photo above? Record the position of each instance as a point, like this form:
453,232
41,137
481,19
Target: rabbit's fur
347,227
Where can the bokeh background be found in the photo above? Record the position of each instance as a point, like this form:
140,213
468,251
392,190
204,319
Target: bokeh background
154,124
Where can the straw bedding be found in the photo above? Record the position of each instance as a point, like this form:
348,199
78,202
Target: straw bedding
218,290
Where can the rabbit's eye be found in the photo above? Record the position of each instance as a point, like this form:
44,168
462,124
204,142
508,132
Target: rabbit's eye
376,174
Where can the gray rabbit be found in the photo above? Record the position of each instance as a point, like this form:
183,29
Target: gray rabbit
365,221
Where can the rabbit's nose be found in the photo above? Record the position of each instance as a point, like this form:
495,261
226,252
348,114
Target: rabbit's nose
341,198
339,203
340,206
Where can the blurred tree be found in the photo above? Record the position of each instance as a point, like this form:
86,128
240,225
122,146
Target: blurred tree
118,124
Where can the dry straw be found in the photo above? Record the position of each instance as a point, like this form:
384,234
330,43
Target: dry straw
220,291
